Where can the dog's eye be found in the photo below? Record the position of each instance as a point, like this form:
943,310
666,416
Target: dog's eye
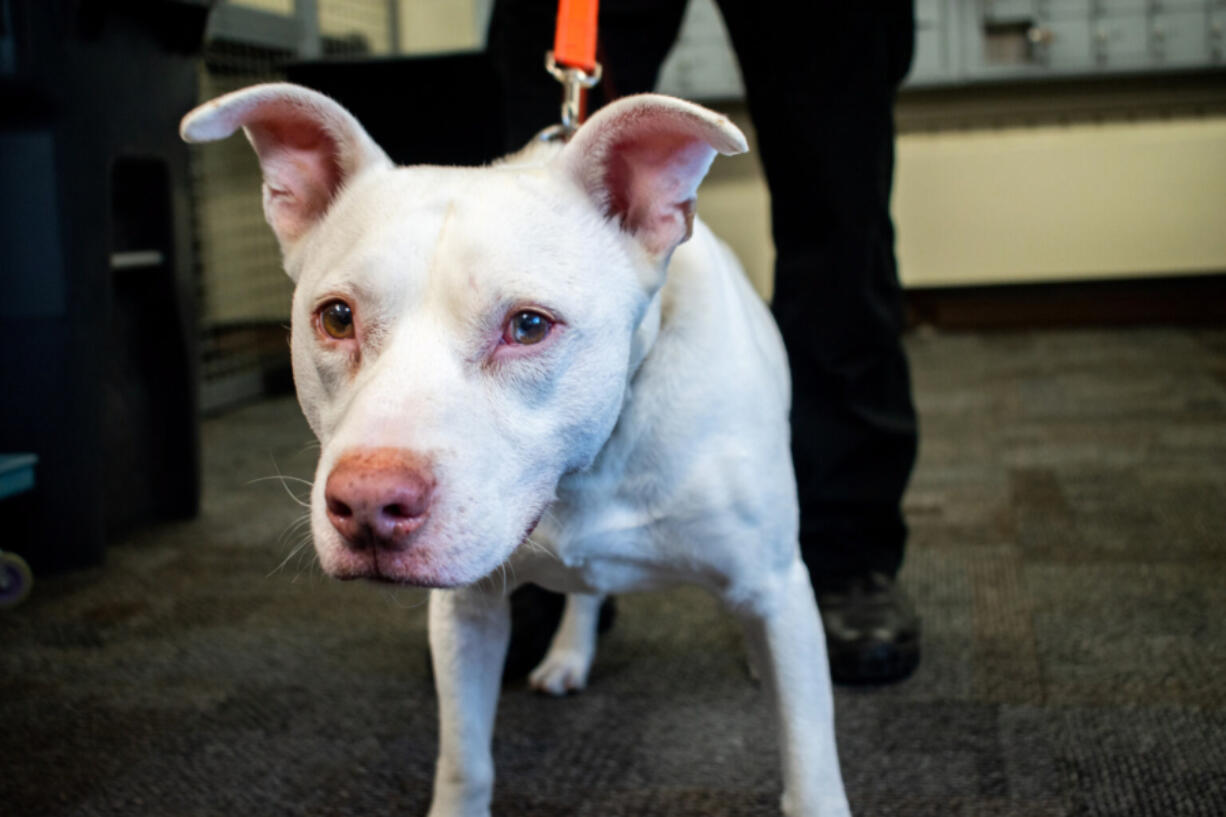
527,327
336,320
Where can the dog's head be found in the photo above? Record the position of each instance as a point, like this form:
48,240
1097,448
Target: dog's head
463,337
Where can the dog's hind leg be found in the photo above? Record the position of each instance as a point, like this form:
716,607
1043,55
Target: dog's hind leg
565,667
785,634
469,631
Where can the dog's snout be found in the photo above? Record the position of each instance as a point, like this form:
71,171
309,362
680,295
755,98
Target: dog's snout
378,497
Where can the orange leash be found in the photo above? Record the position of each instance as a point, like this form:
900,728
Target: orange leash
574,46
573,62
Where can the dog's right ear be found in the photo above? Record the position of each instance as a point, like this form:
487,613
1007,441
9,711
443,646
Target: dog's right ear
640,159
309,147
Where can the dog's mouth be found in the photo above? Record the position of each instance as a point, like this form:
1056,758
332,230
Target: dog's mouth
379,569
536,520
419,564
377,576
381,574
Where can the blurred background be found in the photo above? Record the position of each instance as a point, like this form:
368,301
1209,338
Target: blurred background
1058,160
1059,202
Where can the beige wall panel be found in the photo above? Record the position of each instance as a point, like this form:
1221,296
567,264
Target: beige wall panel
436,26
1062,203
368,19
1026,204
738,210
276,6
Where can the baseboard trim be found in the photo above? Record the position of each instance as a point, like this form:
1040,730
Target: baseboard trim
1192,299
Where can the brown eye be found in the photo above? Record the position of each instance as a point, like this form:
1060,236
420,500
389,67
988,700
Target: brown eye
336,320
528,327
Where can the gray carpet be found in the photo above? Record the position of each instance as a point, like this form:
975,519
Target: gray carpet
1069,539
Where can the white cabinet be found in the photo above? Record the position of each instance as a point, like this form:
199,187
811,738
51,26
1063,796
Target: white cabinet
973,41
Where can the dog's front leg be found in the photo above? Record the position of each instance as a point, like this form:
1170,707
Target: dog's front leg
785,633
469,629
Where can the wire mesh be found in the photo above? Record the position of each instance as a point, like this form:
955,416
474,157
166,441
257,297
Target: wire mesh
243,294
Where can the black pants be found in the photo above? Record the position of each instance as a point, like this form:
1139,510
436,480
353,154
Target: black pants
820,89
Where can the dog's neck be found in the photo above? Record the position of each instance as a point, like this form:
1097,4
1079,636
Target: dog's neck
644,336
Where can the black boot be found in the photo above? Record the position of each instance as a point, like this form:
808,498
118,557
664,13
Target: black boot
872,631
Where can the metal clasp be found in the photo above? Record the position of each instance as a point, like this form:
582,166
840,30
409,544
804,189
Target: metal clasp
574,82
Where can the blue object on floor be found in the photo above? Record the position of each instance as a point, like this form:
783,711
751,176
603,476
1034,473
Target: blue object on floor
16,474
16,477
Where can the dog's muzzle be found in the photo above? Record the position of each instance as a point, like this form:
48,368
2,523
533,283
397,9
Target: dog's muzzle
377,497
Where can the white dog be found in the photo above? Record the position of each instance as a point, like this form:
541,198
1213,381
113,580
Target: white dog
530,348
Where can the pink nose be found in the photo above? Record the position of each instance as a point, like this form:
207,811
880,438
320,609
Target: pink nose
376,497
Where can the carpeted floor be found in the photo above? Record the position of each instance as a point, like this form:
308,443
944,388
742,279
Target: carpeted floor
1069,540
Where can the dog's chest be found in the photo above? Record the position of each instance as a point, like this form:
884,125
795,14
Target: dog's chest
629,536
591,541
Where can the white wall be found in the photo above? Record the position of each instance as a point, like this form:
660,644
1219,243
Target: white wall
1062,202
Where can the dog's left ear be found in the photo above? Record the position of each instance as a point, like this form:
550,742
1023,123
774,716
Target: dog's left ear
309,147
641,159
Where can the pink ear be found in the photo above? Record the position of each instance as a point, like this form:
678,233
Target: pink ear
307,144
641,160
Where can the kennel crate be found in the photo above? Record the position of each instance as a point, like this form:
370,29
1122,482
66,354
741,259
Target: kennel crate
95,259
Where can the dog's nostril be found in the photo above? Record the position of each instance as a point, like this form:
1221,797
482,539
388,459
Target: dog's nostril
398,510
338,508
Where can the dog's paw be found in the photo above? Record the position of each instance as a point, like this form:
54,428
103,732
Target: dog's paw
562,672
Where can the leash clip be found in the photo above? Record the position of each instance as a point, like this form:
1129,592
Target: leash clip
574,82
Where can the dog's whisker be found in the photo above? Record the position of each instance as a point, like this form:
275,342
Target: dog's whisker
540,547
395,597
299,521
283,479
294,529
307,563
296,551
297,532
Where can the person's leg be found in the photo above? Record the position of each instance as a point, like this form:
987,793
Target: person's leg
821,99
520,32
634,37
